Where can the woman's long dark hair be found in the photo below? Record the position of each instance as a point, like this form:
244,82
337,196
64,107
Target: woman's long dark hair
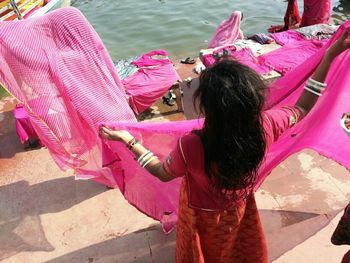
231,97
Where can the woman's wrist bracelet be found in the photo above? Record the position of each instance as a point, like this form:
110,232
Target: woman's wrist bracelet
315,86
317,83
142,156
133,144
149,160
146,158
130,144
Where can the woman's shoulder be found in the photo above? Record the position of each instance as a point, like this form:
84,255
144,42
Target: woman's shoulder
191,145
190,139
192,150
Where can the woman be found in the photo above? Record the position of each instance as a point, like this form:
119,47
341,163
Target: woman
218,217
316,12
341,235
291,18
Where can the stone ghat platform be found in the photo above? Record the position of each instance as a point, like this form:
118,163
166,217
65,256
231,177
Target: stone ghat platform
47,216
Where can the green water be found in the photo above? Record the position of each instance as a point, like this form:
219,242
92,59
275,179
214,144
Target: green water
182,27
3,92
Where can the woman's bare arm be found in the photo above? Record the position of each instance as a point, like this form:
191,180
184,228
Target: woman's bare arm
307,99
155,167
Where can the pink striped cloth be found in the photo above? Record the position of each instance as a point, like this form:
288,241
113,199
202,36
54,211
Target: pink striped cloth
58,68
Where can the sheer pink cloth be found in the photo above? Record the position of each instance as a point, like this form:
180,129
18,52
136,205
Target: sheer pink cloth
320,131
58,67
228,31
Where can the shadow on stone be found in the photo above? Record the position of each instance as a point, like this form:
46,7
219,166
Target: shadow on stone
22,204
147,245
10,144
284,230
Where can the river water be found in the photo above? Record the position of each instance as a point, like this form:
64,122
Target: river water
183,27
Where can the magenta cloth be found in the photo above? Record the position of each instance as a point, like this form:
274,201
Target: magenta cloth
24,128
59,69
188,159
287,37
290,56
210,58
152,79
244,55
319,131
228,31
60,63
154,198
316,12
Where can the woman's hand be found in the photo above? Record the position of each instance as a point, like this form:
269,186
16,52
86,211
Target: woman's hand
307,99
346,117
339,46
115,135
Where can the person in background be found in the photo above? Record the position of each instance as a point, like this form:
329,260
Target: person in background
218,217
341,235
315,12
292,18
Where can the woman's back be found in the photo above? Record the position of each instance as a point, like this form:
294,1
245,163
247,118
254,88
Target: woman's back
234,139
211,227
188,159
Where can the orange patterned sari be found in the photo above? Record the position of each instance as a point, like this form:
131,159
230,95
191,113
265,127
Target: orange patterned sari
227,236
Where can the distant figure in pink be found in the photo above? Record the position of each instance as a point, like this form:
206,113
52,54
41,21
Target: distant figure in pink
228,31
316,12
218,220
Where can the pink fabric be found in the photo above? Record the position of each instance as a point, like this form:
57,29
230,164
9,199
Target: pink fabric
153,58
244,55
58,68
228,31
187,159
154,198
319,131
209,58
153,78
316,12
290,56
287,37
24,127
